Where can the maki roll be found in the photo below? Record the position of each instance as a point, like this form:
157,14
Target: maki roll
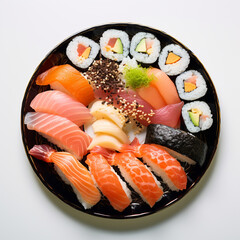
145,47
191,85
180,144
114,44
82,51
173,60
197,116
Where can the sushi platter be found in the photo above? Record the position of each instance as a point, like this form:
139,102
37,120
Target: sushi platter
120,120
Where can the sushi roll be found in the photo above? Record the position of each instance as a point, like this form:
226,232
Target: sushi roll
145,47
114,44
173,60
191,85
180,144
82,51
197,116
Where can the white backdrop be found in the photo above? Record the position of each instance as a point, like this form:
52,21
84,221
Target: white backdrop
30,29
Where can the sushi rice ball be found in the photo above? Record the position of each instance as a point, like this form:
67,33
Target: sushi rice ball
197,116
82,51
145,47
191,85
114,44
173,60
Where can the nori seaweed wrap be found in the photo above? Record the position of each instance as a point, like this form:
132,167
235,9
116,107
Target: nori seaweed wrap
182,145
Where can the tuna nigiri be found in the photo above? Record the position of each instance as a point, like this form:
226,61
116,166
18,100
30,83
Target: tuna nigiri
72,172
136,174
59,103
109,182
69,80
60,131
161,163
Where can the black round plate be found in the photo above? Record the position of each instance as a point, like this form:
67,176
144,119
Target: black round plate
137,208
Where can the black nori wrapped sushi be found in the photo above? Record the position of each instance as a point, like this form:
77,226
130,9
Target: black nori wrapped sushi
181,145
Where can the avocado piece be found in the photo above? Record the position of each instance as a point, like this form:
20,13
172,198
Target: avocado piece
194,116
141,47
118,47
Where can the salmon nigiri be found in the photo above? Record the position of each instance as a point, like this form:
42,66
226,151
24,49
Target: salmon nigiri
160,90
109,182
69,80
59,103
164,85
72,172
60,131
136,174
161,163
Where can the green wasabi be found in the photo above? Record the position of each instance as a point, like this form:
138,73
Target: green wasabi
136,77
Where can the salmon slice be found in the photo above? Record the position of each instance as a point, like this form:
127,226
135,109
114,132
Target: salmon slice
109,182
151,95
72,172
161,163
60,131
68,80
139,177
135,173
165,86
61,104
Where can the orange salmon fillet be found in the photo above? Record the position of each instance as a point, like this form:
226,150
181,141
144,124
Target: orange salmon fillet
73,171
61,104
69,80
60,131
164,85
139,177
108,182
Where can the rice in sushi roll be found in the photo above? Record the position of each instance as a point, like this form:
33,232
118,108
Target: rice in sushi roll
191,85
145,47
197,116
173,60
114,44
82,51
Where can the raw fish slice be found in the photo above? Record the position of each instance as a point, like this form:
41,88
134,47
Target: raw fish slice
161,163
69,80
60,131
139,177
135,173
61,104
128,100
72,172
164,85
168,115
109,182
145,114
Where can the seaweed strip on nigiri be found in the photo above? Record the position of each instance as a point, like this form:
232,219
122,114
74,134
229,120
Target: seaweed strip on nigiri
72,172
183,145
